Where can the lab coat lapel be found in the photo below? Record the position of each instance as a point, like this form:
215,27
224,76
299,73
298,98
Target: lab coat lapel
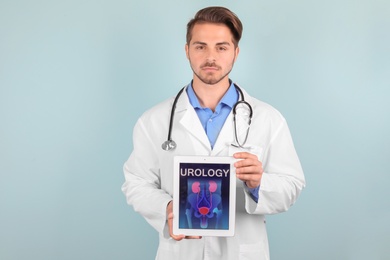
225,137
191,122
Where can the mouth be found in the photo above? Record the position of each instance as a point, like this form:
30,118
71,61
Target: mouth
208,68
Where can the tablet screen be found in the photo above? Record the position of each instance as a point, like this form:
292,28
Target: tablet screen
204,196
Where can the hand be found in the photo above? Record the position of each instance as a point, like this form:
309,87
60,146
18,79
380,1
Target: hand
170,225
249,169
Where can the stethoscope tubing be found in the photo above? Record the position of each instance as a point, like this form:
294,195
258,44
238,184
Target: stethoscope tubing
173,113
169,144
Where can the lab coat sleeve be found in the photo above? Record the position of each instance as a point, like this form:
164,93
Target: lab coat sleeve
142,186
283,178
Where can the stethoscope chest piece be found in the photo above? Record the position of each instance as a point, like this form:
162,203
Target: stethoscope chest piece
168,145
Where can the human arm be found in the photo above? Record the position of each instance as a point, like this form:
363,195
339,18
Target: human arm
249,170
147,185
142,186
279,175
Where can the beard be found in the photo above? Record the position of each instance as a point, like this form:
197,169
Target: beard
211,78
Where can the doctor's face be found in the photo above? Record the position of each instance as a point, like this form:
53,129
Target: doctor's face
211,52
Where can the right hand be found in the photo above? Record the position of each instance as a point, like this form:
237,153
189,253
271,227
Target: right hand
170,225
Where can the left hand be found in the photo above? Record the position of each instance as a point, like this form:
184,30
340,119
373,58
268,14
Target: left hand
249,169
170,225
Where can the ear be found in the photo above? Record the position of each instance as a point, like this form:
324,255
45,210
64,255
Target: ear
236,52
186,49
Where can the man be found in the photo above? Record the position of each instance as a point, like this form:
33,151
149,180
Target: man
269,174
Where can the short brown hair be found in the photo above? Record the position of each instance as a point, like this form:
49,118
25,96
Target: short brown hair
217,14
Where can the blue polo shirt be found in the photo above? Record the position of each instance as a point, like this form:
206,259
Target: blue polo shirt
212,122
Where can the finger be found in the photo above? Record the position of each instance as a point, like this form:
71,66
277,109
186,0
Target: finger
252,178
244,155
249,177
248,165
177,237
251,169
170,225
193,237
251,181
248,161
249,172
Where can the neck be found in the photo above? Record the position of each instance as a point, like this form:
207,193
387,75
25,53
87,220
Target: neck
210,95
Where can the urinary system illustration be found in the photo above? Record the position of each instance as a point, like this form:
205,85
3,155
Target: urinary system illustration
204,200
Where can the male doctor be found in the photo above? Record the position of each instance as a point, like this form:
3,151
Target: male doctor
269,173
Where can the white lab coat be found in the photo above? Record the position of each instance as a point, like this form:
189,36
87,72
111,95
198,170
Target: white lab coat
148,177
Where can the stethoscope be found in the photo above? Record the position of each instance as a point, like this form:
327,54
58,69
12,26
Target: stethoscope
169,144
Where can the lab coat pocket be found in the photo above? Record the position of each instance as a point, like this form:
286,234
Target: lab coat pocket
254,149
254,251
168,249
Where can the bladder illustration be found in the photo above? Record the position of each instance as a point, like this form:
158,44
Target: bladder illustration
204,200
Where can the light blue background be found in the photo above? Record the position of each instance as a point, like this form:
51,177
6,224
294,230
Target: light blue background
75,75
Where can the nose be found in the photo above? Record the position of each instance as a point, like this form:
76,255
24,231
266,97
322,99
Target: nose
211,55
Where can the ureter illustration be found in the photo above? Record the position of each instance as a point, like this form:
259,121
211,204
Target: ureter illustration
204,199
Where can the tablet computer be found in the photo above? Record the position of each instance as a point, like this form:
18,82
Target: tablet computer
204,196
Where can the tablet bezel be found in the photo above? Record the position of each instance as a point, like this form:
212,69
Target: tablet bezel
232,195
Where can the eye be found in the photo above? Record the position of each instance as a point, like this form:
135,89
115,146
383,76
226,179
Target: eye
199,47
221,48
